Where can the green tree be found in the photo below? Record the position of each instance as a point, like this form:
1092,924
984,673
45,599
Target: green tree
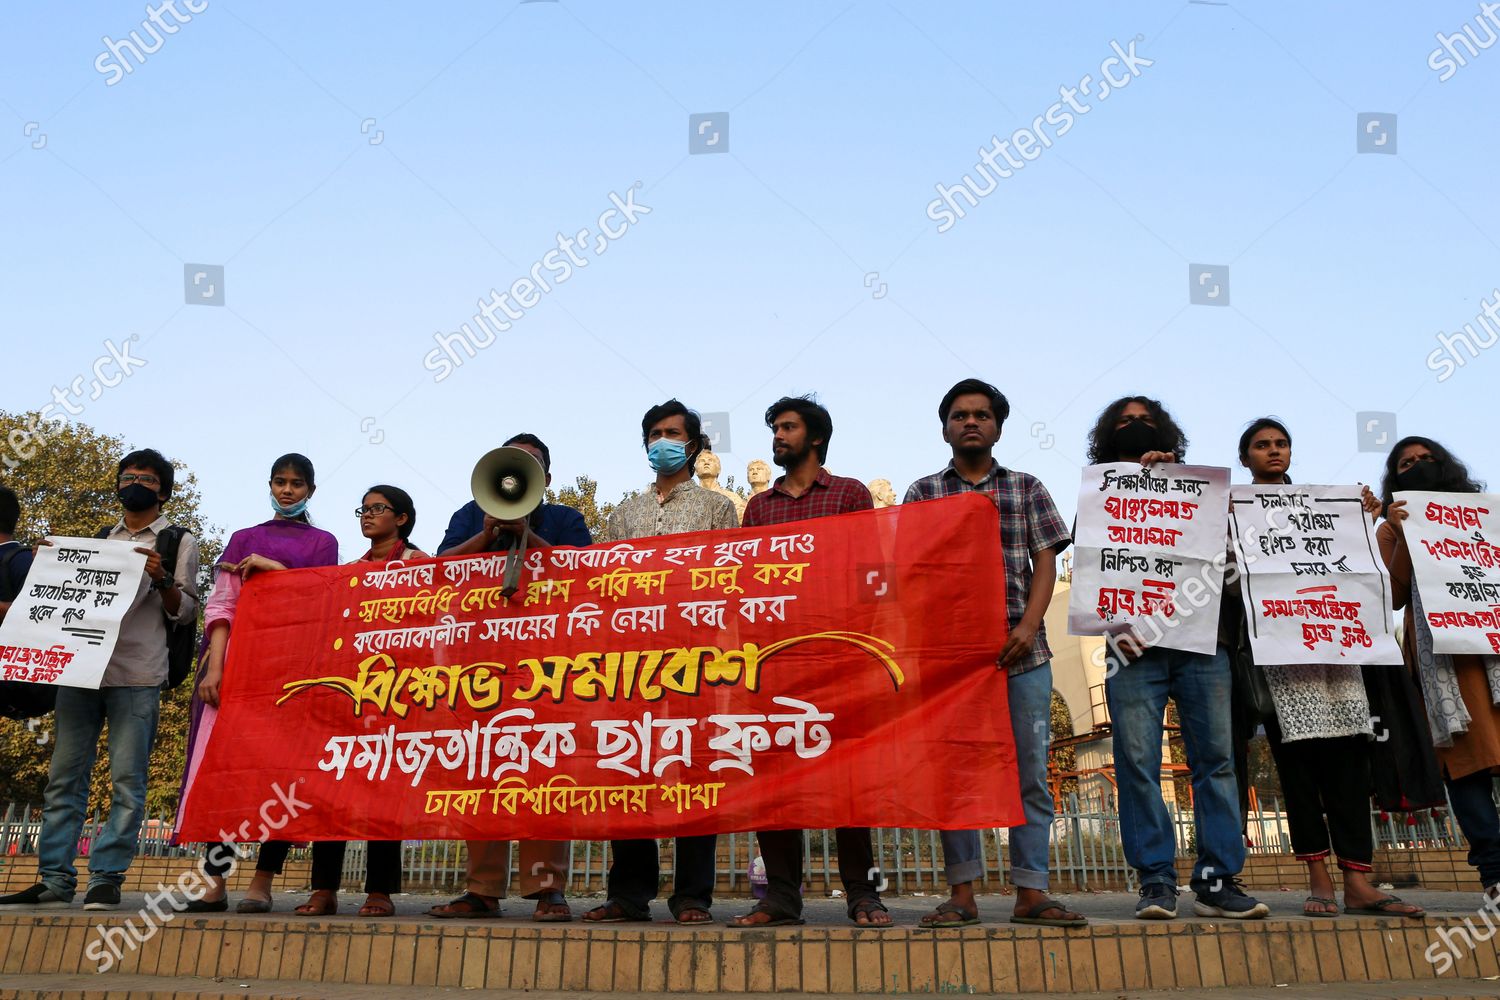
583,496
64,474
1062,760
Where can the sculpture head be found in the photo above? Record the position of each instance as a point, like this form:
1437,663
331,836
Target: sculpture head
758,474
708,466
882,492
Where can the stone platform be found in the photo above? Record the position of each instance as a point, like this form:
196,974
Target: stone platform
50,952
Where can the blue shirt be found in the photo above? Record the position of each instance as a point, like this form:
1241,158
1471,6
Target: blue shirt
557,523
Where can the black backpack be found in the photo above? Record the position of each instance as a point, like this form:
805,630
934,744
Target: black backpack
20,699
182,637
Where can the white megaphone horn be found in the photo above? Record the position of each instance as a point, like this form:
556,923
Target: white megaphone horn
508,483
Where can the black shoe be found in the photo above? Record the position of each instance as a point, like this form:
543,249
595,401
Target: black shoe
1227,899
220,905
1158,902
37,895
102,897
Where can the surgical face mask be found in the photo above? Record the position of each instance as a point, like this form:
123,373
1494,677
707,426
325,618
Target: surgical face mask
1134,439
667,456
295,510
1422,476
136,498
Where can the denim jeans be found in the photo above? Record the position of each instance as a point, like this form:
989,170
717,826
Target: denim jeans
132,713
1030,696
1199,683
1473,801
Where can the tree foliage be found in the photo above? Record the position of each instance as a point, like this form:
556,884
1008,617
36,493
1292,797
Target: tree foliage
583,496
64,474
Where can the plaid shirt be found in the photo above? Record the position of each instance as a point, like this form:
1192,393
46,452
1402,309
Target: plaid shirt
828,495
1029,522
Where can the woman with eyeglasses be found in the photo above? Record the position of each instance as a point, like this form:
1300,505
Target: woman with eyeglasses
386,517
1460,693
287,541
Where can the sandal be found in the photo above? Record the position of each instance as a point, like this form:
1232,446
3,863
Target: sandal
1382,908
867,907
378,904
1324,901
547,911
949,914
684,918
776,918
616,912
251,905
1034,916
324,902
469,906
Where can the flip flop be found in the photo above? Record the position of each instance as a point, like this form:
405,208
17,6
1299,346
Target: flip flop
466,907
1326,901
378,906
553,898
1381,908
1034,916
778,919
615,912
323,903
867,906
935,921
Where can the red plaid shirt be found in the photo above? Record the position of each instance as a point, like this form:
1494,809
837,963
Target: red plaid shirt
828,495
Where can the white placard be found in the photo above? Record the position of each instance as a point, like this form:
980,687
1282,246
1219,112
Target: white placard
1315,587
1454,540
1151,549
62,626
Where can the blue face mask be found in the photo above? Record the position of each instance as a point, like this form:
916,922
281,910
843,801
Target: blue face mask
295,510
666,455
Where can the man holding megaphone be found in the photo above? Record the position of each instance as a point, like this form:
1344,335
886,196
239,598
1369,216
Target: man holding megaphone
507,513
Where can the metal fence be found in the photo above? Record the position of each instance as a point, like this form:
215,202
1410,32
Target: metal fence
1085,848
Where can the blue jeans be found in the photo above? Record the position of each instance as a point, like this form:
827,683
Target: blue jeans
1473,801
1030,696
1200,685
132,713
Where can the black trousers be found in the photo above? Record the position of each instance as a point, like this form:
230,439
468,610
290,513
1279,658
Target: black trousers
382,866
271,860
781,851
635,872
1326,783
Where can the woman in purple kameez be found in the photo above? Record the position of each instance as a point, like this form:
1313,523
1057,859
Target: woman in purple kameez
287,541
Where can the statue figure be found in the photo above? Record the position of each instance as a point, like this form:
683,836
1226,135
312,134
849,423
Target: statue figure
758,475
708,468
883,493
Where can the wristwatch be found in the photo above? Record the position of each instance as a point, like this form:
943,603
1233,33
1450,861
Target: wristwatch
165,584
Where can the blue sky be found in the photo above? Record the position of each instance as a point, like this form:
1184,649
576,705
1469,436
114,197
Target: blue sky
245,142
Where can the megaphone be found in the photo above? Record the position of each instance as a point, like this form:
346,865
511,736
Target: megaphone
507,483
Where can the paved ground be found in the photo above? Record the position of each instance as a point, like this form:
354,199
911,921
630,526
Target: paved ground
1103,907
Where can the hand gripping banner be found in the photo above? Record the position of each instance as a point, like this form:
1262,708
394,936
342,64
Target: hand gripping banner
824,673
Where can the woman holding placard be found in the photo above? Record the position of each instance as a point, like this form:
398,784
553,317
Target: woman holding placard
1461,693
1320,738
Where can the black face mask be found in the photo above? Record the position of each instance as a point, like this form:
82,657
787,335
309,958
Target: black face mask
1134,439
136,498
1422,476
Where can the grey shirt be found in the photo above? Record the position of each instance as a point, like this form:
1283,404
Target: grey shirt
140,657
689,507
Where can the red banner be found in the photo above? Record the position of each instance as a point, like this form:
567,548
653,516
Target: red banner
824,673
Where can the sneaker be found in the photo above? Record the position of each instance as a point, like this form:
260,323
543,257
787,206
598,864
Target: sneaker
37,895
1158,902
102,897
1228,900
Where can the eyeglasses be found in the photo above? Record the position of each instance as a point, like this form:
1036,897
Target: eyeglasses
129,477
375,508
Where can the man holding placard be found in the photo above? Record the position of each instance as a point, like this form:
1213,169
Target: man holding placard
127,693
1149,574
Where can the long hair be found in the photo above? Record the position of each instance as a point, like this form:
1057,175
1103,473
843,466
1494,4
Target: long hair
1453,475
1170,435
302,466
1258,425
400,503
